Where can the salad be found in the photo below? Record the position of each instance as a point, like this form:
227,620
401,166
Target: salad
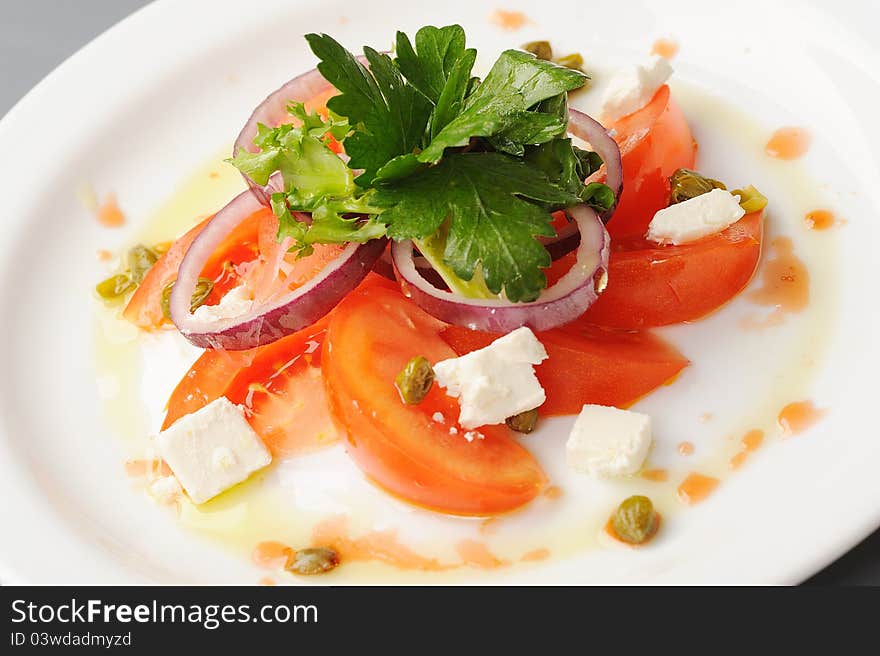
427,264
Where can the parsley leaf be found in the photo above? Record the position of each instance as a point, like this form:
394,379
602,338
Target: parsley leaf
567,165
517,82
428,65
388,114
530,128
495,204
439,67
475,215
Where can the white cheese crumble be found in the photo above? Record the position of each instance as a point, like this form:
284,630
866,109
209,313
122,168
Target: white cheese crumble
606,441
439,418
633,88
495,382
235,303
212,449
696,218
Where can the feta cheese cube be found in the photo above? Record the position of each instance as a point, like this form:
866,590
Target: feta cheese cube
606,441
212,449
235,303
696,218
495,382
631,89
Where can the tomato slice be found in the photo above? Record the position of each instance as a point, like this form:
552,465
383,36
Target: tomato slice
373,333
205,381
242,245
144,309
589,364
279,385
654,143
283,393
277,414
653,285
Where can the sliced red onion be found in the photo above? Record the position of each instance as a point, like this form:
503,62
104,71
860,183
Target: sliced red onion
267,322
385,268
560,304
590,130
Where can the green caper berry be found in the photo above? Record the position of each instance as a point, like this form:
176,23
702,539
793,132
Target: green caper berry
140,260
540,49
574,61
524,422
204,287
166,300
114,287
750,199
686,184
634,520
415,381
316,560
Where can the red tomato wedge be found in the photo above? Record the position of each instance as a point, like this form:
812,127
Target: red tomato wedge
279,385
289,408
588,364
654,143
144,309
283,394
205,381
653,285
372,334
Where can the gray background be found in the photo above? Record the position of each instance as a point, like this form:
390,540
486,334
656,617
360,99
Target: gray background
37,35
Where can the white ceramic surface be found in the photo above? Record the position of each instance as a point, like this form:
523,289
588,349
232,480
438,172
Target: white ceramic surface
141,107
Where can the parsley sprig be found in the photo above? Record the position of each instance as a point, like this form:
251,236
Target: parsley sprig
470,170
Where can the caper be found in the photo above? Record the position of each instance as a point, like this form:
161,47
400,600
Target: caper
166,300
634,521
415,381
750,199
540,49
524,422
204,287
140,260
574,60
687,184
316,560
114,287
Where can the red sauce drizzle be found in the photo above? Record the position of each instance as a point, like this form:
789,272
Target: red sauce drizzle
696,488
788,143
798,416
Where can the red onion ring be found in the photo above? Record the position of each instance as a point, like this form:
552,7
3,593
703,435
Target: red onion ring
562,303
591,131
385,267
263,323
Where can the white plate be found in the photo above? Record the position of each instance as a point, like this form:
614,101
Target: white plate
144,105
